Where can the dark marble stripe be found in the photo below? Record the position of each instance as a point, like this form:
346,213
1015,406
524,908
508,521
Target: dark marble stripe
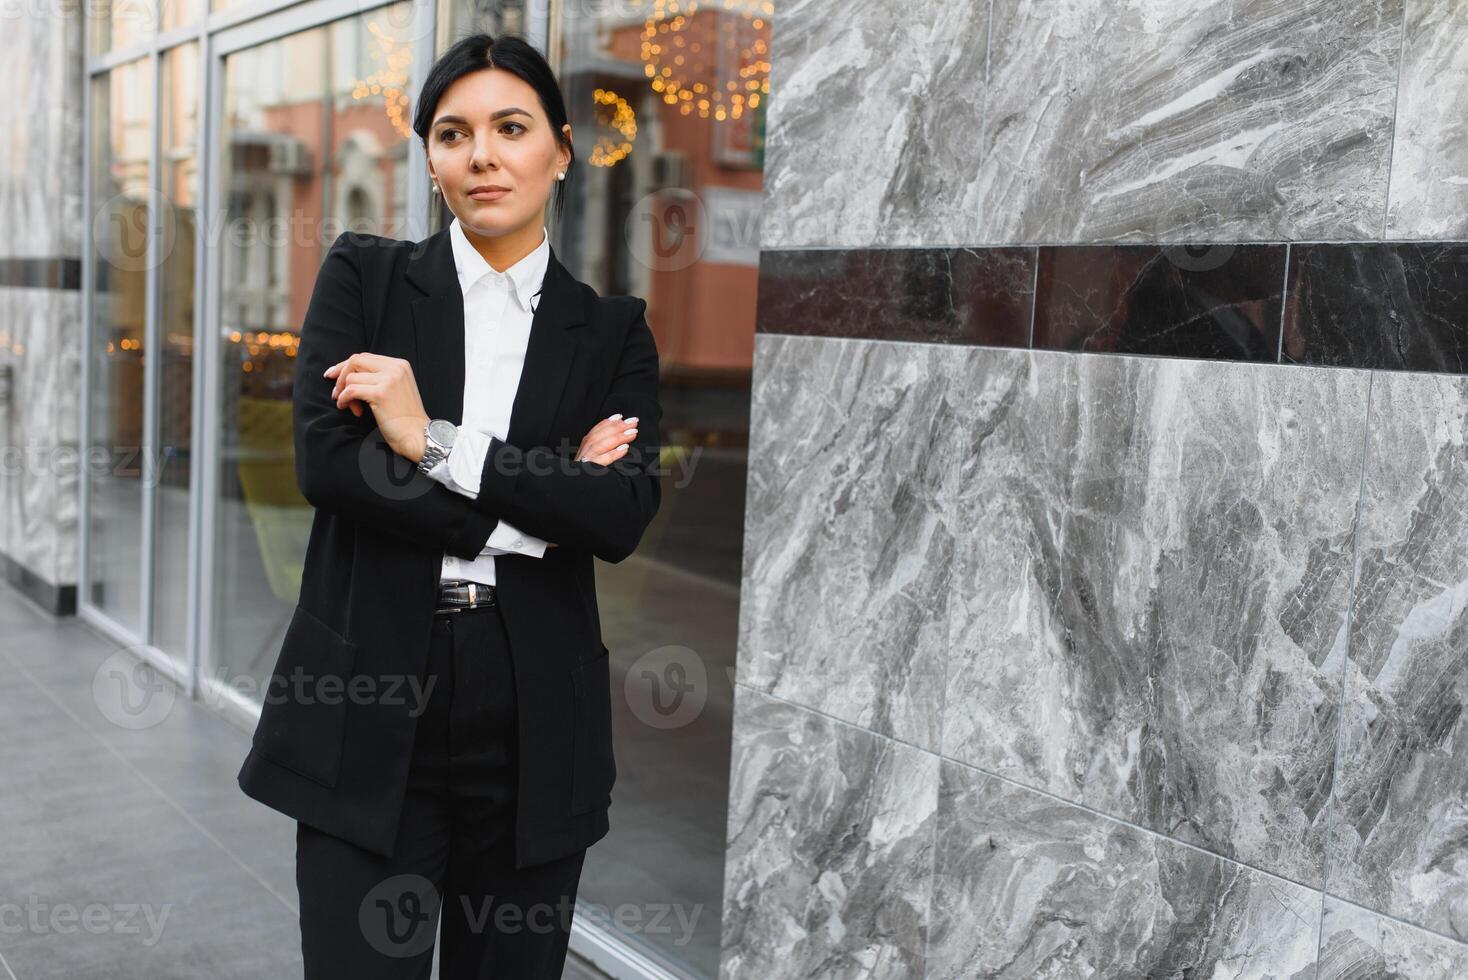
59,600
56,273
1216,302
933,295
1401,306
1387,305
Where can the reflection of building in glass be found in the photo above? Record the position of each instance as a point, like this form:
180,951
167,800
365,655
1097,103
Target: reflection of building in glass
316,146
668,113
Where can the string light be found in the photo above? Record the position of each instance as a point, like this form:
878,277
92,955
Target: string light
389,81
264,342
681,55
612,113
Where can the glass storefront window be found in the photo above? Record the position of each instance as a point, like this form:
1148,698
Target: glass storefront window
180,13
178,134
122,131
666,106
314,142
493,17
120,24
314,139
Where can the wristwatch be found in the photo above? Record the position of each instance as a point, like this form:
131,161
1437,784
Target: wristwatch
439,439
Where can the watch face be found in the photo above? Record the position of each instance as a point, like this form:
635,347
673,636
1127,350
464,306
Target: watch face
442,432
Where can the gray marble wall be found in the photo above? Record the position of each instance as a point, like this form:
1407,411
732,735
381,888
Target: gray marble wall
41,129
1069,664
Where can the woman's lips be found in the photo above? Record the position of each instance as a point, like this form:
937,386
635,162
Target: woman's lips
485,194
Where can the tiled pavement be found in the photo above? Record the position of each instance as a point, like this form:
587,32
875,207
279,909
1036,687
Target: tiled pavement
129,853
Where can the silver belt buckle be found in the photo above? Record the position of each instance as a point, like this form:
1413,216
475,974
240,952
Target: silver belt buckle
447,605
473,593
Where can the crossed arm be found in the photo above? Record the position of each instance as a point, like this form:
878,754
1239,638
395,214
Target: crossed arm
582,503
343,464
460,473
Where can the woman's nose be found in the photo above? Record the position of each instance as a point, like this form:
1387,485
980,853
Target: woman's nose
481,159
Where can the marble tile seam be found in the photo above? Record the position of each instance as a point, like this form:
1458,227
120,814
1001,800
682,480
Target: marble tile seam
1034,306
1391,142
1325,895
1109,243
1283,307
1053,352
1050,352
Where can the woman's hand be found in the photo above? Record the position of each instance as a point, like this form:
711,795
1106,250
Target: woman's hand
607,441
387,386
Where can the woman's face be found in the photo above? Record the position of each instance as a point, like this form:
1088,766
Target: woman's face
489,130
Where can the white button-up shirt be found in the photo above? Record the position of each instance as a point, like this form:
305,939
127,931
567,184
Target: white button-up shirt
497,311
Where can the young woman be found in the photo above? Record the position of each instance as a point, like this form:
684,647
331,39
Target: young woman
473,426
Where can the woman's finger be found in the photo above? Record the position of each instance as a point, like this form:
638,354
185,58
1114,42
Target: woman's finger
608,433
601,446
606,458
612,423
599,430
614,437
365,392
352,376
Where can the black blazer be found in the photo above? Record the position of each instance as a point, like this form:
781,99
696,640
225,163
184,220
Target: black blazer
335,755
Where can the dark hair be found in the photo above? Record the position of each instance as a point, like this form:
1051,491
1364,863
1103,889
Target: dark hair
513,54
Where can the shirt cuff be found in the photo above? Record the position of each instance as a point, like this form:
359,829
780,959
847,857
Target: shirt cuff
508,539
465,461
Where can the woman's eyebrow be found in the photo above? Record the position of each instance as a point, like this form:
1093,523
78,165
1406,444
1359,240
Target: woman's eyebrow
498,114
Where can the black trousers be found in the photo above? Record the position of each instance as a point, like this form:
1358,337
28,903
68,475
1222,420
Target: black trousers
365,917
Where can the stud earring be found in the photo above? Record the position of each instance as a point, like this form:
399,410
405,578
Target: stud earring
561,175
435,187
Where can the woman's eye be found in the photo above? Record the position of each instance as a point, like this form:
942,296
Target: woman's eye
512,124
447,136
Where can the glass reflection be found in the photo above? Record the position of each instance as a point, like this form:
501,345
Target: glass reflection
313,138
122,122
117,25
667,114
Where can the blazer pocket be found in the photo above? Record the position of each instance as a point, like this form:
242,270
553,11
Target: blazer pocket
593,764
303,720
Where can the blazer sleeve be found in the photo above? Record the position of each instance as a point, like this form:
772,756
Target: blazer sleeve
343,464
602,509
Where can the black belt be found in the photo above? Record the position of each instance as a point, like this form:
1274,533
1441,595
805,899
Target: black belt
461,594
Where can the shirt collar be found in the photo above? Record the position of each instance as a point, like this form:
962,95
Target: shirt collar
525,275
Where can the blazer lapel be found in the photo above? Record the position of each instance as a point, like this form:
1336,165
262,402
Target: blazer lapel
438,334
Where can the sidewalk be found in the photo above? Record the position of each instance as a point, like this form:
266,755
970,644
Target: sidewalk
130,854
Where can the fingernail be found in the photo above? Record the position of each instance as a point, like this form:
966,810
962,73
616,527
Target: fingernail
632,419
630,431
614,417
